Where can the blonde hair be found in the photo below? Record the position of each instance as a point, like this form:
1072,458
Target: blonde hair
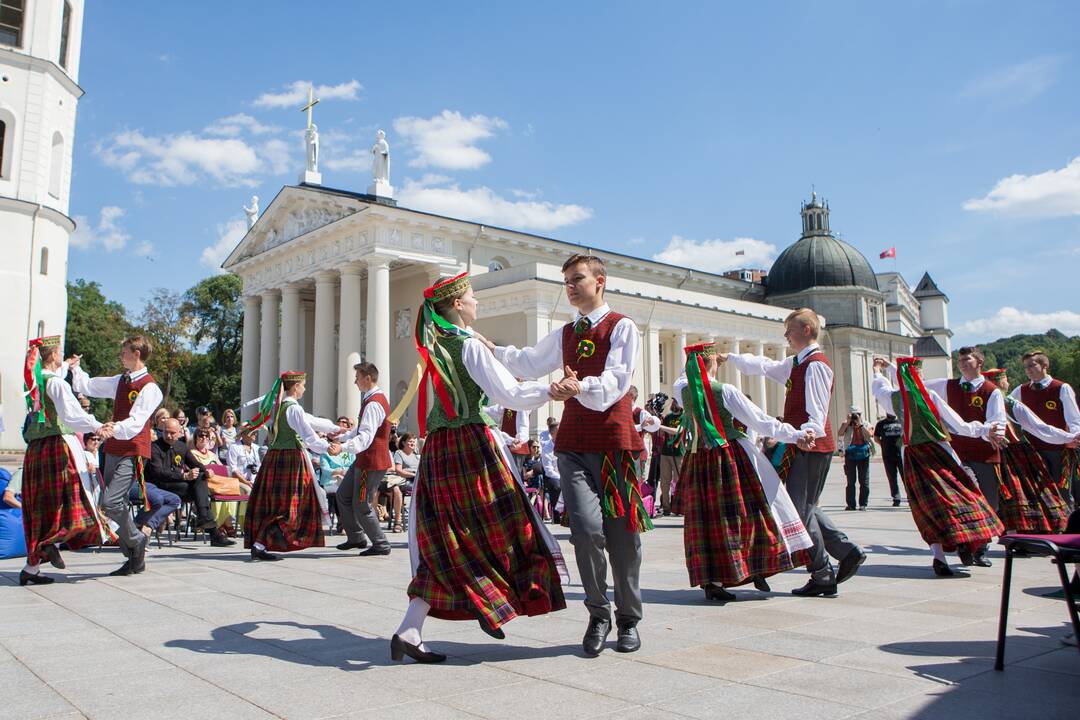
805,317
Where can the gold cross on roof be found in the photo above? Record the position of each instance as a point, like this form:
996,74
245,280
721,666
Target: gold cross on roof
312,101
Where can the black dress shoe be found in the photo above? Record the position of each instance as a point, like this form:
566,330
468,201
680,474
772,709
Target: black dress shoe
717,592
207,524
350,545
496,633
981,560
942,569
815,589
258,555
123,570
220,539
26,578
761,584
966,557
849,507
53,553
896,502
629,641
850,565
374,551
399,649
596,635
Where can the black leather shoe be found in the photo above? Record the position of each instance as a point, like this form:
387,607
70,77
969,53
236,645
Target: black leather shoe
26,578
53,553
123,570
496,633
399,649
219,539
596,635
942,569
350,545
718,593
850,565
896,502
761,584
815,589
981,560
966,558
629,641
258,555
374,551
207,524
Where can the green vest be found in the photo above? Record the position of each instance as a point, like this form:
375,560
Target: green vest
285,438
474,395
921,432
727,420
51,425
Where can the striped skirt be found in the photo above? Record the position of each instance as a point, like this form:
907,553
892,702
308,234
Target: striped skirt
283,512
55,510
479,556
1029,500
945,501
729,533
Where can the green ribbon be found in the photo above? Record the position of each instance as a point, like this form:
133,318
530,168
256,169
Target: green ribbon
705,414
917,404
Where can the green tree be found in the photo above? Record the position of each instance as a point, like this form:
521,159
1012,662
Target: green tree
165,323
216,320
96,327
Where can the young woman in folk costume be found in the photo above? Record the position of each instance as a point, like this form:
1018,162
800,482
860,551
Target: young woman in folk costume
740,525
1029,501
283,511
949,510
58,504
478,550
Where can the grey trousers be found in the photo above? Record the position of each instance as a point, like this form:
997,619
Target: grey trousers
357,515
596,537
119,476
805,483
988,478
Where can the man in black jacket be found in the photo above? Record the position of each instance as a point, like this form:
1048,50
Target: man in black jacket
172,467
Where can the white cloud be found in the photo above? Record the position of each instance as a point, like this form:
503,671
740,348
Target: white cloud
1010,321
717,256
295,94
1054,193
448,140
235,125
484,205
1016,84
338,151
229,234
144,249
107,234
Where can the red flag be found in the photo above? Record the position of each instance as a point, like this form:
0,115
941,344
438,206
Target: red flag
890,253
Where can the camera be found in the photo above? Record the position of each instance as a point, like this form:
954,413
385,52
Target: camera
656,405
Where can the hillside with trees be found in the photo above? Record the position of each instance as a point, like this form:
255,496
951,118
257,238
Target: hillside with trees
1063,351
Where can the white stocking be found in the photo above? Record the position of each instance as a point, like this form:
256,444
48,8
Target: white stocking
939,553
413,622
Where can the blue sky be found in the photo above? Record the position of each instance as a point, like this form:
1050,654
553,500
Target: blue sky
950,130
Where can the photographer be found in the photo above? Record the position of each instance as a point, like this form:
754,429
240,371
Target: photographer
243,459
855,437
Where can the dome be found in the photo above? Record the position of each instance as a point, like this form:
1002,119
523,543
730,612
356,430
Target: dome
819,261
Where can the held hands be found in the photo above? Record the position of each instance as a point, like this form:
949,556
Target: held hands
334,449
880,364
73,361
722,357
806,442
566,388
107,430
1075,442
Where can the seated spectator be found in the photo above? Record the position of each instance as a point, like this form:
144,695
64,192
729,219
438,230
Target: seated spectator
12,536
162,504
244,459
172,467
225,512
226,433
406,461
185,432
160,416
332,468
552,482
532,468
204,420
92,447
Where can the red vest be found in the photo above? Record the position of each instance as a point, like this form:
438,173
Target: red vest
971,406
377,455
636,415
1046,403
509,426
588,431
795,412
126,393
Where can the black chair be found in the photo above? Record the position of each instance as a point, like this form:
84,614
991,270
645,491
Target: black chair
1062,550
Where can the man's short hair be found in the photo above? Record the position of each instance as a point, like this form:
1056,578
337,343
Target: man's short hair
805,317
368,370
973,352
1038,356
141,344
596,265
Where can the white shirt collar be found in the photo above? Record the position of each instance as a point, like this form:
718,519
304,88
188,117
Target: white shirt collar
138,374
596,315
806,351
976,383
1042,383
369,393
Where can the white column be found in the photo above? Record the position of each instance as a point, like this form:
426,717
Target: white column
324,374
307,344
378,317
268,346
756,384
249,378
735,377
348,397
537,327
290,328
652,362
777,391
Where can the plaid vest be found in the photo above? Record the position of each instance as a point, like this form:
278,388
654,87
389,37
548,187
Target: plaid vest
588,431
377,455
971,406
1046,403
795,413
126,394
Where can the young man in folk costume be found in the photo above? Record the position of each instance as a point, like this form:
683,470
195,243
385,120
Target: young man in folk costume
1055,404
597,447
478,549
809,380
1030,500
950,511
370,443
57,498
283,511
741,525
135,397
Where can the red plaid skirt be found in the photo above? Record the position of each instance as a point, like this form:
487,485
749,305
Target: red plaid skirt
729,534
479,554
945,501
283,499
55,509
1029,501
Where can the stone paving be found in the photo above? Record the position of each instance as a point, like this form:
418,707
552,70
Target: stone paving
204,633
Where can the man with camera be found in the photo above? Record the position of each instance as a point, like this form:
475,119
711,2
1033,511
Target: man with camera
855,436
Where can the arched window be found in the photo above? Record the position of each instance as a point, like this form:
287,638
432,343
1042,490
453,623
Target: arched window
11,22
41,328
6,131
44,264
65,28
498,263
56,166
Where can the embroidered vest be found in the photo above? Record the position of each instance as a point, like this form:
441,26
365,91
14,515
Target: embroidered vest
285,438
733,429
971,406
52,425
377,455
795,413
126,394
590,431
1046,403
473,412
